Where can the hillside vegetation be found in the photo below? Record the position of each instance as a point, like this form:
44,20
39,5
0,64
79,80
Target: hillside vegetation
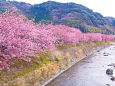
70,14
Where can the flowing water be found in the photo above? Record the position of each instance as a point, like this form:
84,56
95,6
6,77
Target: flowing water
90,71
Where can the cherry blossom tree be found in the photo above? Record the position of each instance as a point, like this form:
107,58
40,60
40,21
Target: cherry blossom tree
20,38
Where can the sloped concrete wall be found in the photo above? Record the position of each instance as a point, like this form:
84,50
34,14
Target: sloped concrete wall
68,57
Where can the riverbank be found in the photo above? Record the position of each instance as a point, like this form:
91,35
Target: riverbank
90,71
78,59
62,59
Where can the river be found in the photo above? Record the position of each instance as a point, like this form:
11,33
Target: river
90,71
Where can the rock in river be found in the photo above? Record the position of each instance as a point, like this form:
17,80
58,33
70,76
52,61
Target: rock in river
113,78
109,71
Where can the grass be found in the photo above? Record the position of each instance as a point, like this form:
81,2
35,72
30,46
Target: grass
68,46
64,47
21,68
21,61
85,43
42,60
36,66
99,42
57,59
80,44
96,42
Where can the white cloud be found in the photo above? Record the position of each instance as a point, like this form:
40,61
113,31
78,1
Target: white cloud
105,7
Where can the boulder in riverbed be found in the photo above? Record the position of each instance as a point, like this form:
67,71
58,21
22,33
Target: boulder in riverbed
113,78
107,84
109,71
112,64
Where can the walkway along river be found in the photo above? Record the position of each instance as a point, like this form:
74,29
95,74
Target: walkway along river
90,71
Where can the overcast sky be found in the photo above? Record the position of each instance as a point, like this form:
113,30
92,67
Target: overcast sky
105,7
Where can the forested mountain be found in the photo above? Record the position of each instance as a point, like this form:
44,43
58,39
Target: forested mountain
70,14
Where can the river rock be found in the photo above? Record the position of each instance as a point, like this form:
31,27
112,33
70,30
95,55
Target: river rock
112,64
109,71
106,55
107,84
113,78
98,51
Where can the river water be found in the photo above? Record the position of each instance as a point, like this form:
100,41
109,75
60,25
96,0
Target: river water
90,71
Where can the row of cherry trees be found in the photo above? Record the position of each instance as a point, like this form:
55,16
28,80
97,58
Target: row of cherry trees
21,38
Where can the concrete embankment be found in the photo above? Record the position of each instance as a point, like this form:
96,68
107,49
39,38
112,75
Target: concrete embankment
64,59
